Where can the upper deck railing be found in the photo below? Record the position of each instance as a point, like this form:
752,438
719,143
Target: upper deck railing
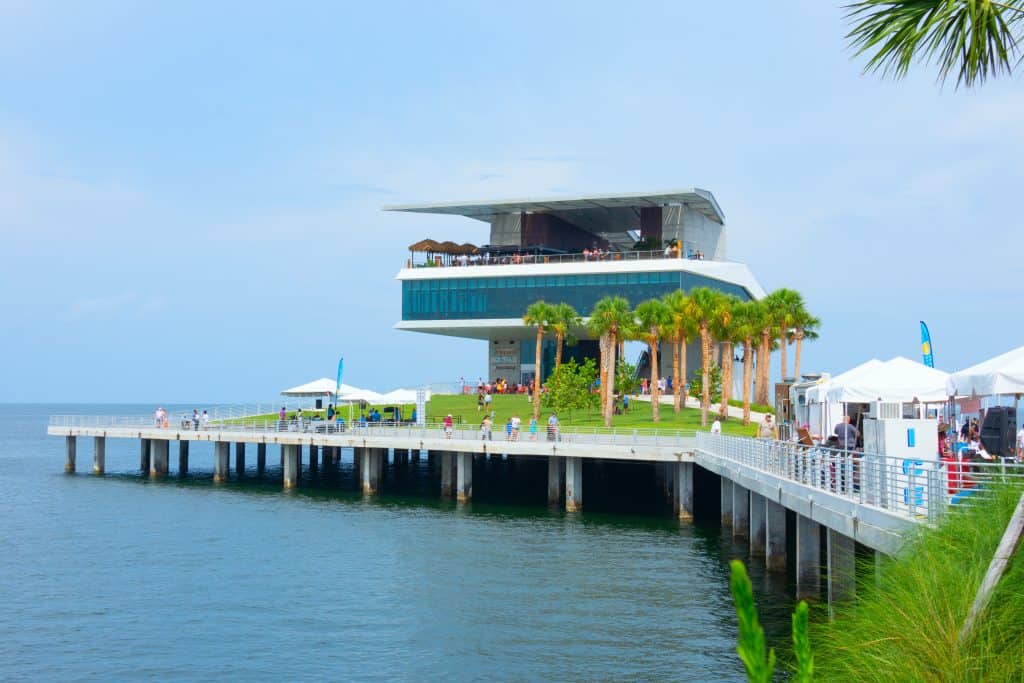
688,252
920,489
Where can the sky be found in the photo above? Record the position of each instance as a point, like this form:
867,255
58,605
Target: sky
190,192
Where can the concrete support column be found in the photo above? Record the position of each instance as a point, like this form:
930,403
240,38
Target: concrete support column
70,453
370,469
841,564
183,458
357,465
292,454
682,487
555,465
99,454
220,461
144,456
726,501
380,462
447,474
326,457
775,536
336,455
158,457
239,459
261,457
740,512
414,454
465,477
314,457
808,558
758,525
573,484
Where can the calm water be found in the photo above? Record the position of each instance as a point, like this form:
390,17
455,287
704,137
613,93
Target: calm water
116,577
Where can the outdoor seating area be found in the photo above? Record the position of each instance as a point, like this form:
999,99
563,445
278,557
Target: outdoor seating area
434,254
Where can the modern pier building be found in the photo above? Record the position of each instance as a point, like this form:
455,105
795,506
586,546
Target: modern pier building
572,249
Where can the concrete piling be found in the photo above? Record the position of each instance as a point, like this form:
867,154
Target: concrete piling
465,477
841,566
292,455
220,461
683,490
726,502
573,484
555,483
183,457
758,525
144,456
239,459
740,511
314,457
370,470
808,558
99,455
447,474
775,536
158,457
70,453
261,457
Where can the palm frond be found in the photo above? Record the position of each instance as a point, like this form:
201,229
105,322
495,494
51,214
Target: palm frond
975,39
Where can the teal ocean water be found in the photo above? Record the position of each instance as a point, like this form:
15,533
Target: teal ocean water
122,578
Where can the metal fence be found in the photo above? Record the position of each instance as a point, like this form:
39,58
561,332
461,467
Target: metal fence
682,440
689,252
918,488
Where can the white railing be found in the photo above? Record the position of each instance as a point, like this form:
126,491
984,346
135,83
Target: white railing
921,489
679,439
689,251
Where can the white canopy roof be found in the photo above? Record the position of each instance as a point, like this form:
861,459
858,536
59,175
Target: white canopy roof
898,380
350,393
401,397
318,387
1003,374
819,393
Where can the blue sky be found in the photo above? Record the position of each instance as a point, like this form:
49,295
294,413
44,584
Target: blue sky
190,194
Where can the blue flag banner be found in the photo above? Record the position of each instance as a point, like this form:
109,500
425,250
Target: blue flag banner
926,346
341,362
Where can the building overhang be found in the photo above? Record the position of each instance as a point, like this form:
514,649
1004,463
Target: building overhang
695,198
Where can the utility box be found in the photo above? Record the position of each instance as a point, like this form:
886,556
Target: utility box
900,466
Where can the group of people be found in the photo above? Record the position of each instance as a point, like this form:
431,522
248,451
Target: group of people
664,385
161,419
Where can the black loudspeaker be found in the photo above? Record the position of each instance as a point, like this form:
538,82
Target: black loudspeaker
998,431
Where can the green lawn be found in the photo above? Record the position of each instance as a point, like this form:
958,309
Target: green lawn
504,406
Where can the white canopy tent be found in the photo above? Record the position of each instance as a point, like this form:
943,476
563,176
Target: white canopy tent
899,380
318,388
823,415
1003,374
401,397
350,394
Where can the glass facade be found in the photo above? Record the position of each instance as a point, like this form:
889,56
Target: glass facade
508,297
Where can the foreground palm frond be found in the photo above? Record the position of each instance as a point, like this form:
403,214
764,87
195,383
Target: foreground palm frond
975,39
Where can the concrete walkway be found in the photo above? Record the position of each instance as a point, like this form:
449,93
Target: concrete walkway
692,402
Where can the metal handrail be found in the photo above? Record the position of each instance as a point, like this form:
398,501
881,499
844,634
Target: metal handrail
669,438
921,489
689,252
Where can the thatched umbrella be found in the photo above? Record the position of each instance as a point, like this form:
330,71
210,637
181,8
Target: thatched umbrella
469,249
427,245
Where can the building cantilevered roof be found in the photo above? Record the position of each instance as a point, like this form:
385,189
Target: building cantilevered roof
697,199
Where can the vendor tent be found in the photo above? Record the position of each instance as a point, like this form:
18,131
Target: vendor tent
315,389
817,394
401,397
899,380
355,394
1003,374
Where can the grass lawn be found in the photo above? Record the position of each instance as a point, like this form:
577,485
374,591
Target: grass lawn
504,406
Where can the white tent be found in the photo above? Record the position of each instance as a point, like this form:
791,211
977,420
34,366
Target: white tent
354,394
899,380
401,397
822,414
818,394
1003,374
314,389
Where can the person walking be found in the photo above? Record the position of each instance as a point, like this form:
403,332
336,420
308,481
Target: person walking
485,428
508,429
448,424
767,429
533,429
516,424
195,420
206,421
847,434
553,427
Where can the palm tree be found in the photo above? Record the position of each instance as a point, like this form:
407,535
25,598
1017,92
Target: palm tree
704,305
805,326
540,314
975,39
746,325
565,319
724,330
772,306
607,320
652,317
786,304
679,330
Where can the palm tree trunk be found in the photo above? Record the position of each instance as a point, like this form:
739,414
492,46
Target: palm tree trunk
682,368
796,360
536,377
603,370
609,403
784,365
558,349
755,357
764,356
655,394
723,408
705,374
748,358
675,374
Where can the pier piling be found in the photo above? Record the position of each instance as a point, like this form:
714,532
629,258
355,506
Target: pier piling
220,461
465,477
144,456
841,566
740,511
555,483
726,502
239,459
808,558
447,474
292,455
314,457
573,484
370,470
758,526
70,453
159,457
261,457
775,536
183,458
683,491
99,455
